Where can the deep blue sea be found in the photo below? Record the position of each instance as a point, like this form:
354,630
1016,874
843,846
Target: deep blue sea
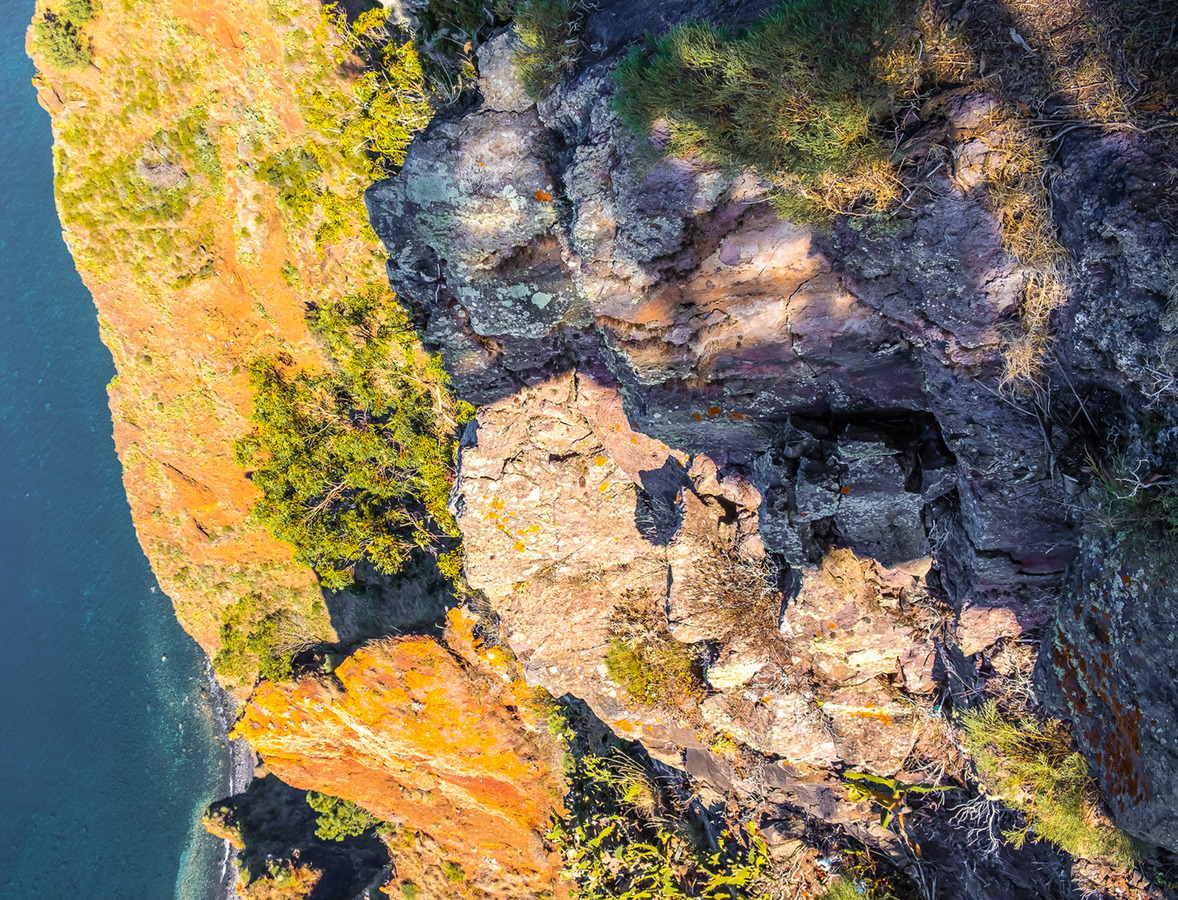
107,753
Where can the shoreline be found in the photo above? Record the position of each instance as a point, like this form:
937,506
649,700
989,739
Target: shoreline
240,764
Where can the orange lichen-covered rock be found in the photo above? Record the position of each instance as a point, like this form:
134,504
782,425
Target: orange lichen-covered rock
192,100
421,737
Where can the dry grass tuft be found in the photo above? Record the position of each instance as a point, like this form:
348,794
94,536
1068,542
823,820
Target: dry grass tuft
743,601
1023,355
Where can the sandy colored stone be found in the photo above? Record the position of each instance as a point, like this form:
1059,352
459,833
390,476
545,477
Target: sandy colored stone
980,627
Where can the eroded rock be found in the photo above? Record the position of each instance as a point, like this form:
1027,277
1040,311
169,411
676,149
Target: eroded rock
1114,658
421,737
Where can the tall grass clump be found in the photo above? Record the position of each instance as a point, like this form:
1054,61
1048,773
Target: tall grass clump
797,96
1032,767
549,33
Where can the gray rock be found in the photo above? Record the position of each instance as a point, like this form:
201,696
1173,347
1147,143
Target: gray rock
1114,659
499,80
876,516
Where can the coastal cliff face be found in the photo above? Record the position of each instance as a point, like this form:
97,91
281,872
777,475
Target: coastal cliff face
430,737
678,386
194,268
785,462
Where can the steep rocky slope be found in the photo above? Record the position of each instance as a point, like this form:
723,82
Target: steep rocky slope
788,459
196,267
429,737
677,386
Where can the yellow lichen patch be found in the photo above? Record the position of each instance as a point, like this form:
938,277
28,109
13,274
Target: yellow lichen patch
599,461
424,735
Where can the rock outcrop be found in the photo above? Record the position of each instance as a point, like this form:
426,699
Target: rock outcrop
568,515
1114,658
673,379
428,740
272,828
544,239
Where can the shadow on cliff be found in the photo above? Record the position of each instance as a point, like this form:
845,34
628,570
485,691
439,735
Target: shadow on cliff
277,827
413,601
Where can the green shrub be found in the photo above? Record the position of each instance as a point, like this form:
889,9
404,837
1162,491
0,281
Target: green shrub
550,35
77,11
646,660
844,889
388,103
61,43
454,873
1133,494
356,462
256,641
339,819
1031,767
408,890
295,173
652,671
616,843
796,96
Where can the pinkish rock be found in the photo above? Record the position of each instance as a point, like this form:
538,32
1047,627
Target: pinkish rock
980,627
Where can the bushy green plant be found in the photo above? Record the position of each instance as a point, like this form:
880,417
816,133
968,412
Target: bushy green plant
77,11
844,889
1032,767
646,660
615,844
339,819
453,873
60,41
388,104
652,671
356,462
295,173
260,639
1134,494
796,96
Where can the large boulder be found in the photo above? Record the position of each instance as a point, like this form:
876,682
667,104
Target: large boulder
1114,659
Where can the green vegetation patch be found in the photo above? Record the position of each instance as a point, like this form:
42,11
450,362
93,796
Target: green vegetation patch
355,462
339,819
371,124
1032,767
652,670
617,842
550,34
295,173
260,635
646,660
796,96
58,36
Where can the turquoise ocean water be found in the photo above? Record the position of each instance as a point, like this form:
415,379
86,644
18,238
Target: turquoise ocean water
107,753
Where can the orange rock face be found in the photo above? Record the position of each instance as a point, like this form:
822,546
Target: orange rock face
188,295
426,739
